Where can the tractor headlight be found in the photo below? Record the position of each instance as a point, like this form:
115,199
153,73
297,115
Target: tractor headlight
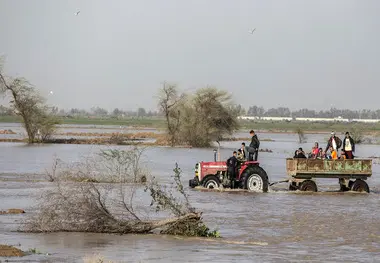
196,170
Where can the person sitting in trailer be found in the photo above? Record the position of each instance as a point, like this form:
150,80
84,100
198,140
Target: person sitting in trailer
314,151
299,154
333,154
343,155
319,154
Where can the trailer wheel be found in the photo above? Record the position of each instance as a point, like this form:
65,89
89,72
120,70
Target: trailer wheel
211,182
308,186
344,188
255,179
292,187
360,186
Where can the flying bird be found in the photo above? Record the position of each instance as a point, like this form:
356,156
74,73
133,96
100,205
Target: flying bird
77,13
251,31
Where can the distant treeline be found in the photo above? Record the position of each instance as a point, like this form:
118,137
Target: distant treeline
252,111
94,112
307,113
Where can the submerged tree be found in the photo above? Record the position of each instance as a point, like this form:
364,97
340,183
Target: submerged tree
301,135
26,102
357,134
200,118
169,102
208,116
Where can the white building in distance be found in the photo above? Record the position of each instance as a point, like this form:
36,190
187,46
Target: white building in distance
337,119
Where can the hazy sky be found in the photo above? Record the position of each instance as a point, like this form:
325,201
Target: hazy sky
117,53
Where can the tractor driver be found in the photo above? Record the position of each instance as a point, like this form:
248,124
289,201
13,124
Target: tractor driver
231,168
240,156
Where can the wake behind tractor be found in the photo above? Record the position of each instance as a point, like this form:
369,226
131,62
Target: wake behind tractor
249,176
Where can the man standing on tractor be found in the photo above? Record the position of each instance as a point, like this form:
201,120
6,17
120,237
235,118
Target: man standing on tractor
232,163
253,148
334,142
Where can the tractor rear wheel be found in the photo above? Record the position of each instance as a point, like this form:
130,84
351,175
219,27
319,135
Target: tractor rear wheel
211,182
255,179
308,186
360,186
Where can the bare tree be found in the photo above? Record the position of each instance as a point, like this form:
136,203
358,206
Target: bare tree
51,175
123,165
357,134
169,101
301,135
30,105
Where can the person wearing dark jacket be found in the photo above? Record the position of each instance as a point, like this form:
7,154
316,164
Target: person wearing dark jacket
253,148
232,163
348,146
299,153
334,142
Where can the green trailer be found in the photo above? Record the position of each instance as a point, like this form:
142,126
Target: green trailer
351,173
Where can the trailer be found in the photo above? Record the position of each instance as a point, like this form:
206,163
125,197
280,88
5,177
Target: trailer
351,173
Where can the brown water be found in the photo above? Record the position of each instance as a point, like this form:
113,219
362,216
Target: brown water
278,226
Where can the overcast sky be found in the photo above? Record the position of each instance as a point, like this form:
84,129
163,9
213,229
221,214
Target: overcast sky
304,53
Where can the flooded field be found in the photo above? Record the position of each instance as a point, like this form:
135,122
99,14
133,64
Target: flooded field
18,132
278,226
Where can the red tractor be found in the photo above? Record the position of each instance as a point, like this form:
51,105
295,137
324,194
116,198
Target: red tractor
214,175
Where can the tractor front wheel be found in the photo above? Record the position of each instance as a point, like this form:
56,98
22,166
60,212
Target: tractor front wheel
211,182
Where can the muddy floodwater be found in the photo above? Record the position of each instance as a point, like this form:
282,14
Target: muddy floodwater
278,226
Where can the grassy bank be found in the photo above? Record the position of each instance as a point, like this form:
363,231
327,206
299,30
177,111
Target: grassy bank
155,122
10,119
159,122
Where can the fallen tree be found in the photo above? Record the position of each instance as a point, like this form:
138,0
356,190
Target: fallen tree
126,206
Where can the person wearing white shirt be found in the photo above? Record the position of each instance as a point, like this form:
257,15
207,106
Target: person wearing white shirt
349,146
334,142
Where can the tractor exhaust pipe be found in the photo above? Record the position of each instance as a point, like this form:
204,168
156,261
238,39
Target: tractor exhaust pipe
218,151
215,151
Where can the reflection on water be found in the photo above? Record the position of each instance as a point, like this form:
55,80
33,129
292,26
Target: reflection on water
274,227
